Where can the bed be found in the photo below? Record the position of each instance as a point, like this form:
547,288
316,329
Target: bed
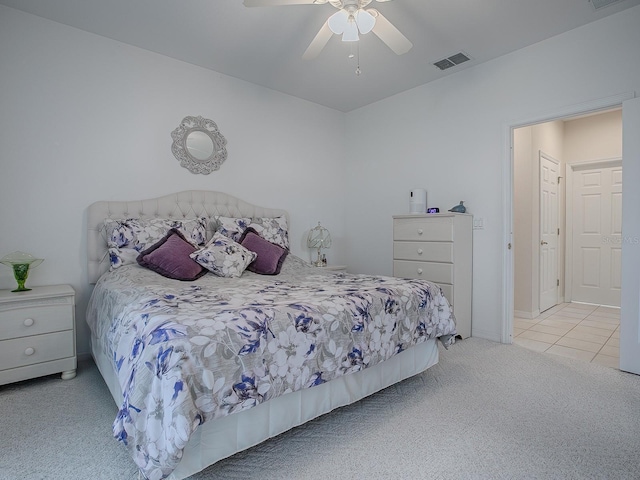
202,369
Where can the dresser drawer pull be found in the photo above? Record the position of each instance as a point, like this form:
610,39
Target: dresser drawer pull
29,351
419,271
420,231
28,322
420,251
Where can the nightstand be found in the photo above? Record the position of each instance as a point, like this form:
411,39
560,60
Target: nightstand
37,333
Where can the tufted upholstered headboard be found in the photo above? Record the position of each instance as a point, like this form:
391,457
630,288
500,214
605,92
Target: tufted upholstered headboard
188,204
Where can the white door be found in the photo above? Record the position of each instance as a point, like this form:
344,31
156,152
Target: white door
597,234
549,283
630,311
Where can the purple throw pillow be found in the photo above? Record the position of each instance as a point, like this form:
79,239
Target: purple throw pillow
270,255
170,258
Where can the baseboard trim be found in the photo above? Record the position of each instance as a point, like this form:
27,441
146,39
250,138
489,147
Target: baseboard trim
528,315
487,335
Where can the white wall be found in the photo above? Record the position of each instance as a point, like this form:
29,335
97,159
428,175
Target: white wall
522,226
84,118
596,137
450,137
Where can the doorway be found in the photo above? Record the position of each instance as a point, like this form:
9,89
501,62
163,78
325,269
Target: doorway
545,155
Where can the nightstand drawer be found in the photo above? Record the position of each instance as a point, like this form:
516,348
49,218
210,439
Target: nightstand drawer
422,229
39,348
22,322
434,272
423,251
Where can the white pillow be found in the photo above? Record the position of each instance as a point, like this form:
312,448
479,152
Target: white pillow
126,238
272,229
232,227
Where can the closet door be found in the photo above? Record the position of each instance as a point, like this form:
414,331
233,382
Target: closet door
597,234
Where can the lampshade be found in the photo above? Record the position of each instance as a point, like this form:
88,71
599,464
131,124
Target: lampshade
338,21
350,32
365,21
319,238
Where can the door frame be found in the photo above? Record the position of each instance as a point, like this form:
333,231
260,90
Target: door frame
507,191
570,168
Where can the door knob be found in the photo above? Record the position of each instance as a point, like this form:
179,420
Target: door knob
542,242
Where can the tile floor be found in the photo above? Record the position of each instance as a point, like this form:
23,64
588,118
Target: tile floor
576,330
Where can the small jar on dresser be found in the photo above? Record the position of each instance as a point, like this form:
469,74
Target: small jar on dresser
37,333
438,247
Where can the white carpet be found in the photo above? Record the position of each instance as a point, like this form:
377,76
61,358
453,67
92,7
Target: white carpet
487,411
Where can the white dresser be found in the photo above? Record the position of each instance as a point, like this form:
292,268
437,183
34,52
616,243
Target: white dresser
37,333
438,247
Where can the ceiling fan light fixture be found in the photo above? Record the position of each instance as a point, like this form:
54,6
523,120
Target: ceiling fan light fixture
338,22
365,21
350,32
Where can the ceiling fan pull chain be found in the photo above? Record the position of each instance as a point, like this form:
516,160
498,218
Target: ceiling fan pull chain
358,71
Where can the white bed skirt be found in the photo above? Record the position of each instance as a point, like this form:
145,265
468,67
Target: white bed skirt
226,436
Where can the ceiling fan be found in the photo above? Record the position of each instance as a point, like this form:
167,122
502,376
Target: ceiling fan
350,20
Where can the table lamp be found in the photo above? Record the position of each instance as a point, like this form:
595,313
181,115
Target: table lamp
319,238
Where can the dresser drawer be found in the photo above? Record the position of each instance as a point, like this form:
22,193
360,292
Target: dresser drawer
36,320
423,251
39,348
432,229
434,272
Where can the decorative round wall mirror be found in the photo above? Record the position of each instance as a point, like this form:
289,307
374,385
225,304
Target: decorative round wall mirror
199,145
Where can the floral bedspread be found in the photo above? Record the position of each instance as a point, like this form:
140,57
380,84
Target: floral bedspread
189,352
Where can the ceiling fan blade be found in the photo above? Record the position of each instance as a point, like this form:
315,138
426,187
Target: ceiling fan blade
277,3
318,43
389,34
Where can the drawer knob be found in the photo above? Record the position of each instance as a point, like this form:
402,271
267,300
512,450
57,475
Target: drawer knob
420,231
28,322
419,271
29,351
420,251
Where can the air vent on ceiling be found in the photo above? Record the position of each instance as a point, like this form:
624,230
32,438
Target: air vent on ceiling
452,61
598,4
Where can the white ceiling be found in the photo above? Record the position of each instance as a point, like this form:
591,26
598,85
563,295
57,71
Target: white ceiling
265,45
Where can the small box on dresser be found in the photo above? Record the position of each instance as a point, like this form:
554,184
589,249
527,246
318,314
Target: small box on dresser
37,333
438,247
